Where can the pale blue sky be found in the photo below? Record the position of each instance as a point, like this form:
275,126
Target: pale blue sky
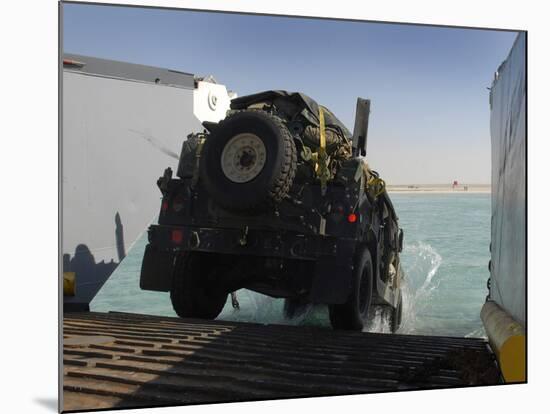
430,106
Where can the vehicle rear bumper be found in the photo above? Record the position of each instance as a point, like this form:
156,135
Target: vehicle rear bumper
289,245
333,257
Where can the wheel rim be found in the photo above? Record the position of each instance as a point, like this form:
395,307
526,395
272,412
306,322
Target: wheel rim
243,158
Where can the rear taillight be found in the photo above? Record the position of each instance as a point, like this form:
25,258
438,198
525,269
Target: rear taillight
177,236
164,205
352,217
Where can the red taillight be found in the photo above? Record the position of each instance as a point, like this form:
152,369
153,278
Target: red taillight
164,205
352,217
177,236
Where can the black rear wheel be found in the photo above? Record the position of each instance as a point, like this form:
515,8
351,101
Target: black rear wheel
353,314
194,293
294,308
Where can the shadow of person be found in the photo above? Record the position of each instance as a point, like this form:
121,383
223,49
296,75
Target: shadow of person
91,275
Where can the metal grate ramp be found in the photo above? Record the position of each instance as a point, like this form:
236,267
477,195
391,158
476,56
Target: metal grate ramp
116,360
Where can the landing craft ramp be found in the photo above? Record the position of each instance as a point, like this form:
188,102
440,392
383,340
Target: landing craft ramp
116,360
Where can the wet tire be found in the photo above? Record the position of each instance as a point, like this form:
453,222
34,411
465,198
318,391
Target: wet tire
294,308
249,161
353,314
396,315
192,293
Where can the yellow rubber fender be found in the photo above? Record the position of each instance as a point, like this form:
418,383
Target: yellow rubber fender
507,340
69,283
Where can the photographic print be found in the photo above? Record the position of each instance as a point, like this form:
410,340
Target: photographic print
261,207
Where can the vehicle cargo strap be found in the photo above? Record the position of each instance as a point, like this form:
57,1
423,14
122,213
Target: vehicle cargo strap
322,159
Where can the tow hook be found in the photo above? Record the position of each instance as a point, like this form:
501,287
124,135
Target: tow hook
244,237
234,301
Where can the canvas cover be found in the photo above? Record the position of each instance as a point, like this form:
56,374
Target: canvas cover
304,104
508,218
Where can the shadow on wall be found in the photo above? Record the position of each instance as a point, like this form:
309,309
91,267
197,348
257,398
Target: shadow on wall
90,276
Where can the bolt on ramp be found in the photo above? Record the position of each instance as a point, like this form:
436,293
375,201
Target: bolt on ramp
122,360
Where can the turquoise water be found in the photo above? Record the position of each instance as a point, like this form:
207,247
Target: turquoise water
444,258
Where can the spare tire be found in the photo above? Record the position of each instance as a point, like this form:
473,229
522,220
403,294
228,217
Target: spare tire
249,161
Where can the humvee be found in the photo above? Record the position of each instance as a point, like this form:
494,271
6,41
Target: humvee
277,198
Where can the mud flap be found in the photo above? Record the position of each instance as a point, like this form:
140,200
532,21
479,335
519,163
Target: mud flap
332,282
157,269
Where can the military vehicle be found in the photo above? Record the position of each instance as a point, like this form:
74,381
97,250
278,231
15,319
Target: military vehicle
277,198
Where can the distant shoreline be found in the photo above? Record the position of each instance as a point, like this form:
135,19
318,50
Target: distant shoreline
440,189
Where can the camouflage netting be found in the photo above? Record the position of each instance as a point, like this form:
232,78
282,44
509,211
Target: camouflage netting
338,146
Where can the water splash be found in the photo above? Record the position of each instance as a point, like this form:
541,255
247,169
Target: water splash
258,308
420,282
421,263
380,321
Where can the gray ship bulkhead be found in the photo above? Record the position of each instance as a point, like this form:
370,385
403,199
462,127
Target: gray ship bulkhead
121,124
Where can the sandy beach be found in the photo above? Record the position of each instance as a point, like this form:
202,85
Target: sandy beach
439,188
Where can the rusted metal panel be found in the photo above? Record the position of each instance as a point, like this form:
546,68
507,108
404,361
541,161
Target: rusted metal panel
155,361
